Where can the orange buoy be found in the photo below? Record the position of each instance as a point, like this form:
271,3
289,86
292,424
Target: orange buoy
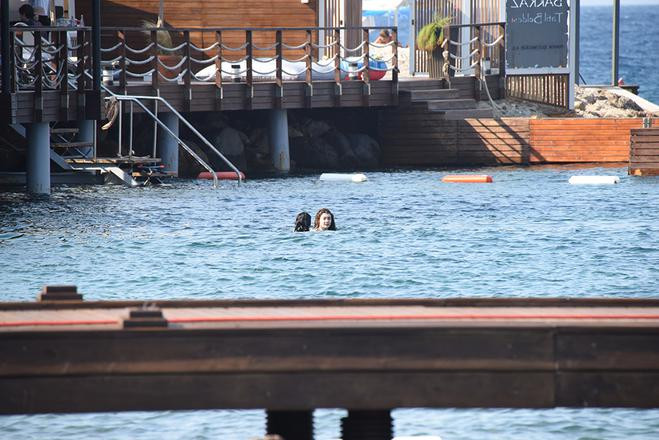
222,175
467,178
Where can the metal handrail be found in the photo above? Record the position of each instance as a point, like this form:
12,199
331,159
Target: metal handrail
191,127
137,99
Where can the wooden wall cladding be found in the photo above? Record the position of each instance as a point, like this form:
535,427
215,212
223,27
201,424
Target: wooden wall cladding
644,152
581,140
414,136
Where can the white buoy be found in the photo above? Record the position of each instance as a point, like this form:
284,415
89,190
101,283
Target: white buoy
341,177
594,180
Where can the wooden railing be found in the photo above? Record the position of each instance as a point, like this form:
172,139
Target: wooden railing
549,89
56,58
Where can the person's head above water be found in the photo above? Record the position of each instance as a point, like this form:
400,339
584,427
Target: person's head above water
302,222
324,220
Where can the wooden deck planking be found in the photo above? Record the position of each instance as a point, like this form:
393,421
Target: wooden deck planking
361,354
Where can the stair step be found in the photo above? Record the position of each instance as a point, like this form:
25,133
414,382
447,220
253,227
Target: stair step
415,84
451,104
71,144
467,114
431,94
64,130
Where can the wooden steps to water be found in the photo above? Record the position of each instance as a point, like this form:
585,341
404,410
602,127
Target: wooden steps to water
451,103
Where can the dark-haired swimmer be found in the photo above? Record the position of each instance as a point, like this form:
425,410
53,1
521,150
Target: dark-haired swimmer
324,220
302,222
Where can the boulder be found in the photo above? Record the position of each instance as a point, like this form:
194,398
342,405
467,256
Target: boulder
341,145
188,167
313,128
366,149
315,153
230,142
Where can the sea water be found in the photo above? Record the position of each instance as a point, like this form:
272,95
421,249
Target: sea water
639,39
400,234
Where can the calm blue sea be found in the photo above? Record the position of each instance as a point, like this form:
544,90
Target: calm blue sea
401,234
639,40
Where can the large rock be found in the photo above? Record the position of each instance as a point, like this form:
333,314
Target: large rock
315,153
340,143
313,128
230,142
188,165
366,149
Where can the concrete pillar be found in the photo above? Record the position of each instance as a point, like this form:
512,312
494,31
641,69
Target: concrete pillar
38,158
86,134
167,144
279,150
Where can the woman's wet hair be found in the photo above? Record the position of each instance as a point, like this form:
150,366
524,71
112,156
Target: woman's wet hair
316,222
302,222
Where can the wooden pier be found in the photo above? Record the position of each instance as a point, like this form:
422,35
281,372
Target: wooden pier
290,357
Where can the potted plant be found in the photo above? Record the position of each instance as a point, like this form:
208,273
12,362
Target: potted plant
429,39
169,58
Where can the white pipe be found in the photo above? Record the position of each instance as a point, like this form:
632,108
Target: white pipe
594,180
341,177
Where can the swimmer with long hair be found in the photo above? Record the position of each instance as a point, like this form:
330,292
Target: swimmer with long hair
324,220
302,222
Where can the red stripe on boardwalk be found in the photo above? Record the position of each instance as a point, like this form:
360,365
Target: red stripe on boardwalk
447,317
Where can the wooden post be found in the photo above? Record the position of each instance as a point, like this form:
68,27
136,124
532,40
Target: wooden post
249,76
80,71
308,51
96,48
5,38
279,82
366,76
338,91
478,47
38,83
394,67
62,61
122,62
12,74
187,77
446,32
219,91
156,68
502,61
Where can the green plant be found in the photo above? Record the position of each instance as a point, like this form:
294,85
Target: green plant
163,37
431,35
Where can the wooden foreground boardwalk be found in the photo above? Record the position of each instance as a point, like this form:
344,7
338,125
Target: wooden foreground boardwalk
301,355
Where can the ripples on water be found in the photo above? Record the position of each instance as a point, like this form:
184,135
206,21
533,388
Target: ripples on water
639,39
401,234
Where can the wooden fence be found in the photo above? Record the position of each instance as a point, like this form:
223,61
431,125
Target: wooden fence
550,89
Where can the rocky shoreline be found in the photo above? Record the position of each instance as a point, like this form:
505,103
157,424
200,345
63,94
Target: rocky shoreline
590,102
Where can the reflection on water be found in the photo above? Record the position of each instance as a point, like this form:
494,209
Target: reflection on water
401,234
